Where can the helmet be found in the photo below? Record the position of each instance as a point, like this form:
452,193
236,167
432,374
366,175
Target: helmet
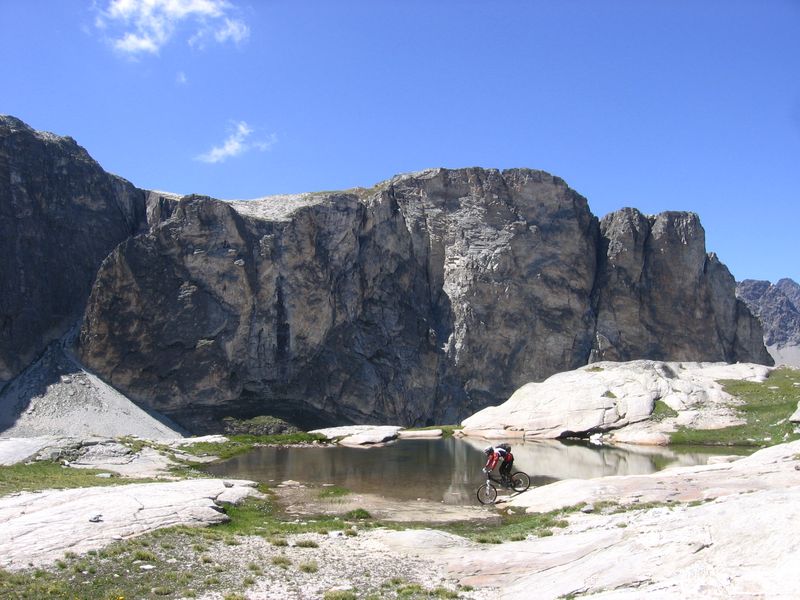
488,450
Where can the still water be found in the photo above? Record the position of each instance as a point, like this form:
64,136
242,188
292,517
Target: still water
445,470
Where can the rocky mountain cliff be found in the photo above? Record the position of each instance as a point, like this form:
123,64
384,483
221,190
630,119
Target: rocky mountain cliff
420,300
60,216
778,308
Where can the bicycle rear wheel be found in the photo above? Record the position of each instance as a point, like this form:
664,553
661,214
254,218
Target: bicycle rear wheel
487,494
520,481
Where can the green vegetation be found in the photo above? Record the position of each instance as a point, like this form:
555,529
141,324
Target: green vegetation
609,394
512,527
333,491
308,567
48,475
281,561
765,406
447,430
340,595
261,425
408,590
239,444
359,514
662,411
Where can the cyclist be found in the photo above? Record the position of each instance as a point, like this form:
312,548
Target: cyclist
501,455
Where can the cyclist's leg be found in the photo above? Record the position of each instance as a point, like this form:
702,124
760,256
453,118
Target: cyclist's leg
505,470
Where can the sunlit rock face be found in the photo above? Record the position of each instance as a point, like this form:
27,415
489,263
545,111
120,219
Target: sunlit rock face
660,296
60,216
609,396
420,300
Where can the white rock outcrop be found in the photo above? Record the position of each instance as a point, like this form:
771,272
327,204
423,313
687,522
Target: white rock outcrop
607,396
39,527
360,435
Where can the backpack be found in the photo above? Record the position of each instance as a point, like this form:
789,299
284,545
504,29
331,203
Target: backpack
504,446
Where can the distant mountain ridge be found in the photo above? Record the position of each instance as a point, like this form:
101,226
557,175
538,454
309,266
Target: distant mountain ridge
778,307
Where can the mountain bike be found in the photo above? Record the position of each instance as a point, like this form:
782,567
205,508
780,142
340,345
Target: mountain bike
487,493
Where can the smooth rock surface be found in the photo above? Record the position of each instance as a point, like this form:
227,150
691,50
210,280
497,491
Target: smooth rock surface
351,431
419,434
39,527
608,396
767,469
16,450
743,544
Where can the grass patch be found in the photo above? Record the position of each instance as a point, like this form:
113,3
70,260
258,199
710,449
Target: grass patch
281,561
239,444
308,567
340,595
48,475
765,406
447,430
333,492
662,411
513,527
359,514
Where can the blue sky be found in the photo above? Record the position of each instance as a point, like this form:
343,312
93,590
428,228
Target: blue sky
660,105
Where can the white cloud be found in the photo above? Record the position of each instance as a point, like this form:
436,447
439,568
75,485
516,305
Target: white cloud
237,143
233,30
139,27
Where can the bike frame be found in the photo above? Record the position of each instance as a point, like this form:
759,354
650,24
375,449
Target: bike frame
490,480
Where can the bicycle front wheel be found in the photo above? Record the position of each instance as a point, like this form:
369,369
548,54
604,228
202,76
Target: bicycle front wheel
520,481
486,494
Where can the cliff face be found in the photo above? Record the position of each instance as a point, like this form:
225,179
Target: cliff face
408,303
60,216
778,308
420,300
659,294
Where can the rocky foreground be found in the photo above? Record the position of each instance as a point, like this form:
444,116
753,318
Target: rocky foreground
727,530
723,530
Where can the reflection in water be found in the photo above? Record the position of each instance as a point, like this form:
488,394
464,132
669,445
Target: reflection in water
446,470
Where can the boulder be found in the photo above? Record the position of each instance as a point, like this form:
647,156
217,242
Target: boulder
371,437
609,396
405,434
344,431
